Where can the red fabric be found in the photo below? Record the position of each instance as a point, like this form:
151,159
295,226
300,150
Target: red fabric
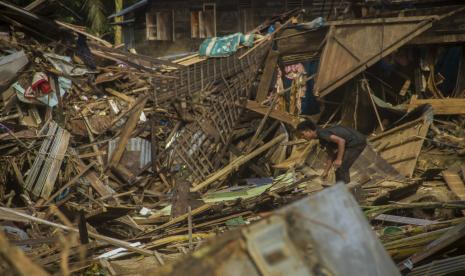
45,87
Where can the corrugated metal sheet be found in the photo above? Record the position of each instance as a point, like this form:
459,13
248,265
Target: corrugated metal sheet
137,145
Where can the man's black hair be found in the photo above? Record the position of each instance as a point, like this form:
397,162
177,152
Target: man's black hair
306,125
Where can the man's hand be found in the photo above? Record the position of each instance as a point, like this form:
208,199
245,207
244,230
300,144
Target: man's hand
337,163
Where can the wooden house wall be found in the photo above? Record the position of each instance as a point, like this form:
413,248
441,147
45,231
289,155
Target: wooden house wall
231,17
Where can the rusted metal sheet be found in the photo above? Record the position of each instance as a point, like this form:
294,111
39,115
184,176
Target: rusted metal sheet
400,146
293,41
137,154
352,46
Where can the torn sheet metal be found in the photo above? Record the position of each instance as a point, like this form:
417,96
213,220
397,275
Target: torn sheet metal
323,234
404,220
340,233
65,65
354,45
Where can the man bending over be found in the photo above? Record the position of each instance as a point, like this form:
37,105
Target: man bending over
343,145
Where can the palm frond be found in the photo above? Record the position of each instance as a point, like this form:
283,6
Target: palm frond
95,16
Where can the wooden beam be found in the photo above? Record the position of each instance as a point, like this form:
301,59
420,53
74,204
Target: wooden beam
450,106
99,237
93,179
451,236
275,114
431,38
455,183
71,182
267,76
236,163
125,134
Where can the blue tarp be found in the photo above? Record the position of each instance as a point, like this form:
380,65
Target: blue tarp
224,46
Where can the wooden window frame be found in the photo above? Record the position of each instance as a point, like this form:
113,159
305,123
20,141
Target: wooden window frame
159,29
198,25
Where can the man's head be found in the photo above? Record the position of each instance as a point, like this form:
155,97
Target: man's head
307,130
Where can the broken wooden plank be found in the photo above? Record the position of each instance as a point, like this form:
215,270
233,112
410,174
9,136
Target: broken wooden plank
93,179
180,218
120,95
275,114
79,31
449,106
71,182
397,146
455,183
404,220
405,88
126,133
448,238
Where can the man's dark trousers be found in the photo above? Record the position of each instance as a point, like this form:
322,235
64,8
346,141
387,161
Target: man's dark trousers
350,155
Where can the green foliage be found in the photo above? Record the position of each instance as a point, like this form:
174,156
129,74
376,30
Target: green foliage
90,13
96,17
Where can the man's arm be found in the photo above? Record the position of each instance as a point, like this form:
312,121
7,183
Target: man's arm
341,147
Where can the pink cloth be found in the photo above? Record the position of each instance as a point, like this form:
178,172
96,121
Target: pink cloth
294,70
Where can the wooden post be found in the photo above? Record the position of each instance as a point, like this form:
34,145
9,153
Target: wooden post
368,89
118,29
267,75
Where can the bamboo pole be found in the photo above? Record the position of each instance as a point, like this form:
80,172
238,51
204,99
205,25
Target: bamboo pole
99,237
368,90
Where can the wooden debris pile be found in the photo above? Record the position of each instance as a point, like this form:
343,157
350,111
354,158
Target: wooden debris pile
107,156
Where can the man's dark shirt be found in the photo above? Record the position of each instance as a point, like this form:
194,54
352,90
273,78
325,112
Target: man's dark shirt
352,137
